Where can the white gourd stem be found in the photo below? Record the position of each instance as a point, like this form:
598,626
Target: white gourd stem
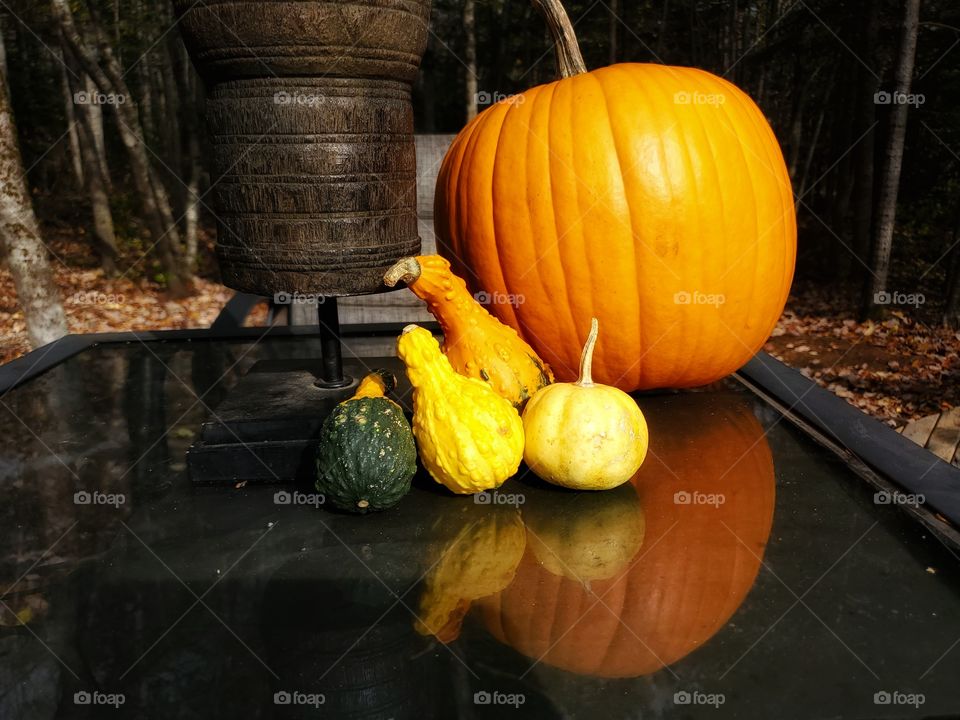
569,60
407,270
586,357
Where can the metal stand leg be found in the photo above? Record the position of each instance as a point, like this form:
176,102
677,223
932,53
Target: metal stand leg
331,371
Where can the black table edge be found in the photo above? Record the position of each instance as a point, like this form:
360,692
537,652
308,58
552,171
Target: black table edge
36,362
911,469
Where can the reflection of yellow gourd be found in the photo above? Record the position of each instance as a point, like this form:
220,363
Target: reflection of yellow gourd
31,607
585,537
478,562
470,438
584,435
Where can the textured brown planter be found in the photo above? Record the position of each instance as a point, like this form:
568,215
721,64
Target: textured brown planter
312,128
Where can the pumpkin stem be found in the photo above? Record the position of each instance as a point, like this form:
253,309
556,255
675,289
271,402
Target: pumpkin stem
569,60
406,270
586,358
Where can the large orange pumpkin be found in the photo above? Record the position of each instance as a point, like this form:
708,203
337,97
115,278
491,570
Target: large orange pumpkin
654,198
697,563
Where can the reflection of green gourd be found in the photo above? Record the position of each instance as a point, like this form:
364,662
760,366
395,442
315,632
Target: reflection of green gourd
367,455
333,626
585,536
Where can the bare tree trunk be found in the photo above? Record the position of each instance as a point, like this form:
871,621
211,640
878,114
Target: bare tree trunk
156,203
612,30
863,158
189,99
842,138
470,57
145,74
811,148
69,111
796,120
95,118
103,230
172,105
20,235
951,310
883,239
661,29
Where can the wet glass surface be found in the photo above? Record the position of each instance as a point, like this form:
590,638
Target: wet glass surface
745,572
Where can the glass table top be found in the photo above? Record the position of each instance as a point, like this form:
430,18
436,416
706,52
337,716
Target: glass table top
745,572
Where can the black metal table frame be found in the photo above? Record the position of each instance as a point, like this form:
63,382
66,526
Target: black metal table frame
876,452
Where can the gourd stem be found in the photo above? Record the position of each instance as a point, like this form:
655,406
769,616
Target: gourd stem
406,270
376,384
569,60
586,358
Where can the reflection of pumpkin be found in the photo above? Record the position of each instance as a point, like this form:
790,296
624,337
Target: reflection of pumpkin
584,536
479,561
696,566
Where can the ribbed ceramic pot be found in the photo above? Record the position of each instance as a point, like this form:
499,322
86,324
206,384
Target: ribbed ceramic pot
309,113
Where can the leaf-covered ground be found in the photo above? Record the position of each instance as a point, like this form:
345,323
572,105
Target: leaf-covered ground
94,303
898,369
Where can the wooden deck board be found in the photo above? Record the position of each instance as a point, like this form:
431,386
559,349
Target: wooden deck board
938,433
945,437
918,431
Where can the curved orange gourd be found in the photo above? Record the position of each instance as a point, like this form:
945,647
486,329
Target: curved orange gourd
474,341
694,569
651,197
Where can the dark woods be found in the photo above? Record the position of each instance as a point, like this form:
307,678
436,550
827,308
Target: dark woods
861,93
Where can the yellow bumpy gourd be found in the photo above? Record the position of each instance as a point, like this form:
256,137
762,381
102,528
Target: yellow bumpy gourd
470,438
